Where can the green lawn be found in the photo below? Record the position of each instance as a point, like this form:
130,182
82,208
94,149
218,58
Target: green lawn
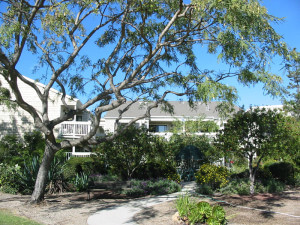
7,218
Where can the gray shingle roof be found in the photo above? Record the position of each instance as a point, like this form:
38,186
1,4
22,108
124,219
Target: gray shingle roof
181,108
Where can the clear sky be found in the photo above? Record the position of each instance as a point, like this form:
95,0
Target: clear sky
290,29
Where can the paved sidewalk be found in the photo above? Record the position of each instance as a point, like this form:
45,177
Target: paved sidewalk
124,213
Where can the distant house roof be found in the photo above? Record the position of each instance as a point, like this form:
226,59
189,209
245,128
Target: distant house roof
181,109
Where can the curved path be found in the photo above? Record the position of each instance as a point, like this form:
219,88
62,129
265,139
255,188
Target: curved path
124,213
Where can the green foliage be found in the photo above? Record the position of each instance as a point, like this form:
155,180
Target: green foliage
16,150
78,165
154,170
194,126
283,171
293,104
29,174
81,182
206,150
140,188
212,175
261,174
205,189
199,212
9,178
256,133
135,150
151,52
241,186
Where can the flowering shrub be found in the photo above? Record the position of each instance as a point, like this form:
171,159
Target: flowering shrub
173,177
212,175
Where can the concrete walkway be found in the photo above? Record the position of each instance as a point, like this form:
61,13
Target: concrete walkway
124,213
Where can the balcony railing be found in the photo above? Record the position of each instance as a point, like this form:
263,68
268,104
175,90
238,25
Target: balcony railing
78,154
75,128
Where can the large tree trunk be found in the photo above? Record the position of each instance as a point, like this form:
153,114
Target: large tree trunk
41,180
251,175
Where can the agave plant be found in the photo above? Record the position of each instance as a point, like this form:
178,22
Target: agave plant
29,173
81,182
55,177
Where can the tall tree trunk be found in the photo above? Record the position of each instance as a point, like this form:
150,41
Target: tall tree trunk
251,175
41,180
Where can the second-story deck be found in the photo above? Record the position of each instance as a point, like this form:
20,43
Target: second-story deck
74,129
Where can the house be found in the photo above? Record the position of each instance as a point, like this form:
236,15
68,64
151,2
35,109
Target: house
160,122
17,121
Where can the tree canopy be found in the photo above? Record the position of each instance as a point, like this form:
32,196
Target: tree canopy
134,50
257,134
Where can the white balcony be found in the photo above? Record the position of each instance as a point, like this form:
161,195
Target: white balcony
78,154
74,129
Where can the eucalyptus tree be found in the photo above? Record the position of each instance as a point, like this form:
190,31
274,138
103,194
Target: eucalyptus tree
110,51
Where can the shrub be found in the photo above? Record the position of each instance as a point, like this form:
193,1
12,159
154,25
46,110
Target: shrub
241,187
273,186
205,189
29,174
78,165
202,212
212,175
283,171
149,187
154,170
9,178
261,174
81,182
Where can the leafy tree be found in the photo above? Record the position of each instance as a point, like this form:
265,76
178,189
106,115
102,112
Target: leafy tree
202,143
293,105
194,126
130,150
255,134
137,49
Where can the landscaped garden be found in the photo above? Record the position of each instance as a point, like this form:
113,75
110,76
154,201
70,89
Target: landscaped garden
138,164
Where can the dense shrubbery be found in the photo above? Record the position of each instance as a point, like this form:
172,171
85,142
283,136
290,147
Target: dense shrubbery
192,212
151,187
241,187
78,165
212,175
283,171
9,178
16,150
155,170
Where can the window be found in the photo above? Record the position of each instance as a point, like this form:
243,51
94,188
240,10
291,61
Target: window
158,128
79,118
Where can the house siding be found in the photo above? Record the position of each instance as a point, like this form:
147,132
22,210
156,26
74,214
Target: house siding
18,121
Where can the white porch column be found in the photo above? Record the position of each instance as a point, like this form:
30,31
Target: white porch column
73,149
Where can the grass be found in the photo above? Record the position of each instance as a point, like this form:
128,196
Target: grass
8,218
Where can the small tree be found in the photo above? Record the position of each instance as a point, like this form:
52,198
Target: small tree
129,151
256,133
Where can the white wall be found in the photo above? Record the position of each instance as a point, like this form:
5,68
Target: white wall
19,121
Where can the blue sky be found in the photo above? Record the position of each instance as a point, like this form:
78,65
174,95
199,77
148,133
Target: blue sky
290,29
